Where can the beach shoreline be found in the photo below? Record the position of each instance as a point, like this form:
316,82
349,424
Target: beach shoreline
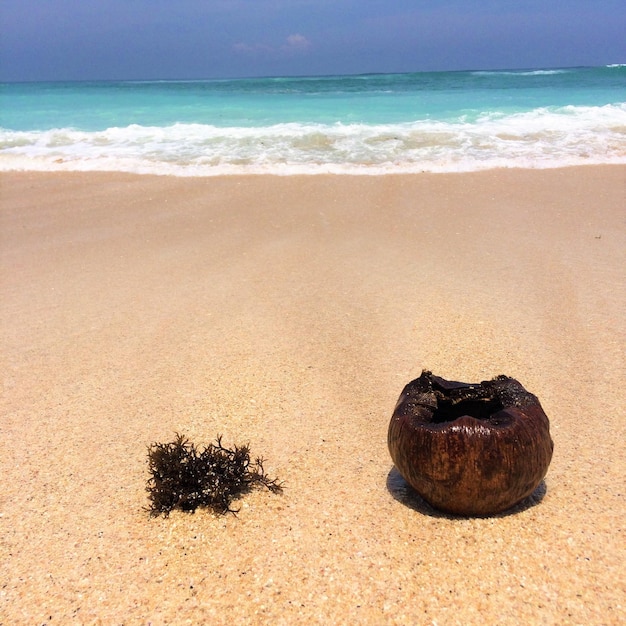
289,312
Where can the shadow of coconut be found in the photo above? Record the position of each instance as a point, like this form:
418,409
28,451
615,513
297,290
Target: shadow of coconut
404,493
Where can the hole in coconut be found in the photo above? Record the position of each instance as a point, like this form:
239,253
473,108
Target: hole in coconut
448,410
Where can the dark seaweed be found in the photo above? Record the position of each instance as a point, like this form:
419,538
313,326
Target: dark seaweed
184,477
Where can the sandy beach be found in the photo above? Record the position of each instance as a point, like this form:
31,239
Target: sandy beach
289,313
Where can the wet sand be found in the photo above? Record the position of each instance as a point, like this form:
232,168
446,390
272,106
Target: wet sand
289,312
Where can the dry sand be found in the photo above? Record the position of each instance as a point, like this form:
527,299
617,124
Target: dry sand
289,313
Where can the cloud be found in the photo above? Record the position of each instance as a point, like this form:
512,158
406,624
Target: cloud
246,48
293,43
297,42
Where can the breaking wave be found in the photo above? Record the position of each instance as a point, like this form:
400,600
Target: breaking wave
541,138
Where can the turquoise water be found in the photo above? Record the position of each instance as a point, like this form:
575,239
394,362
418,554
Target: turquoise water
439,121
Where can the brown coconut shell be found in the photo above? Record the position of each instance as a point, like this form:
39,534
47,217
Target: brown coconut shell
470,449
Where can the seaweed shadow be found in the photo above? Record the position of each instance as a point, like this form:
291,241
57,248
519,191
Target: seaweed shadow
404,493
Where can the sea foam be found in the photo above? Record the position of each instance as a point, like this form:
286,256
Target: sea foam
541,138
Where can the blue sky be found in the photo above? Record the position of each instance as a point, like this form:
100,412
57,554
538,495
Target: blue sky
151,39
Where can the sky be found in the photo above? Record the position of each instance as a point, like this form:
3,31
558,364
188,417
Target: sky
187,39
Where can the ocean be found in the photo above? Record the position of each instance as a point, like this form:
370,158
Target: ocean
363,124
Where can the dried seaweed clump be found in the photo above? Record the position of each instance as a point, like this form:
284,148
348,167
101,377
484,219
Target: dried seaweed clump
183,477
